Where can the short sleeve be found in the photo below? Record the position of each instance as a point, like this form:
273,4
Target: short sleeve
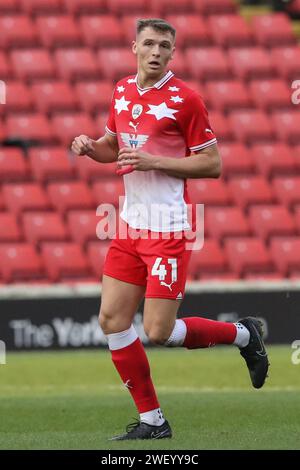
111,124
194,123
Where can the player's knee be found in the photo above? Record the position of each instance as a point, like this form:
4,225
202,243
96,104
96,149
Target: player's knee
157,336
111,322
106,321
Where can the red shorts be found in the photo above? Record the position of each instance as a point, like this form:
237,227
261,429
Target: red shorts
158,264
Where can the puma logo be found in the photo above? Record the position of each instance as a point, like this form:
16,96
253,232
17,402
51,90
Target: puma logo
162,283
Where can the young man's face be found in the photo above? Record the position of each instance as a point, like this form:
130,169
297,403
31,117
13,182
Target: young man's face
154,49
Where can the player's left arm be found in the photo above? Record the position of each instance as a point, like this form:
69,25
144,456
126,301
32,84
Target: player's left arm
205,163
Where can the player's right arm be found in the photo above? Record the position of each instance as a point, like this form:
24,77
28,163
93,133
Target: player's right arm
104,150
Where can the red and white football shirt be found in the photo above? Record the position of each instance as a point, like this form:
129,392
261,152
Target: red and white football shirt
168,119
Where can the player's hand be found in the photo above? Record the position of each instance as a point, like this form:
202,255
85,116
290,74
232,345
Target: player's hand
140,161
83,145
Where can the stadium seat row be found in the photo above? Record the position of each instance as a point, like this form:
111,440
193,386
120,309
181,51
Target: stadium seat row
56,163
95,96
63,261
246,126
264,221
145,7
200,63
108,30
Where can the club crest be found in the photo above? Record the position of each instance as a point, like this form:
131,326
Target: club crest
137,110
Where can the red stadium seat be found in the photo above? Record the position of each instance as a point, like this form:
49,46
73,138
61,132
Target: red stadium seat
210,259
19,262
208,63
69,125
94,96
286,61
287,125
17,30
116,63
226,95
251,62
219,277
84,6
25,197
5,67
226,222
296,153
58,30
274,276
196,86
287,190
230,30
43,226
236,159
270,94
41,6
267,221
272,159
273,29
83,225
163,7
248,255
9,228
2,204
9,6
191,30
102,30
32,64
54,96
250,190
220,125
286,254
128,25
297,217
70,195
64,261
294,8
213,192
214,7
12,164
18,97
108,191
33,126
96,253
76,63
89,169
118,7
251,126
178,65
50,163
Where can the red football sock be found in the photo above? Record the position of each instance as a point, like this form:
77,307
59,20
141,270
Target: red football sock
132,364
203,333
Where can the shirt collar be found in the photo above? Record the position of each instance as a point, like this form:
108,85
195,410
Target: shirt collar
157,85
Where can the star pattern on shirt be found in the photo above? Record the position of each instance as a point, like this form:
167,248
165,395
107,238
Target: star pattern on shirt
120,89
162,111
173,88
121,104
176,99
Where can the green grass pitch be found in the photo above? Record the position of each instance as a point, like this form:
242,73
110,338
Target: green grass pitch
74,400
